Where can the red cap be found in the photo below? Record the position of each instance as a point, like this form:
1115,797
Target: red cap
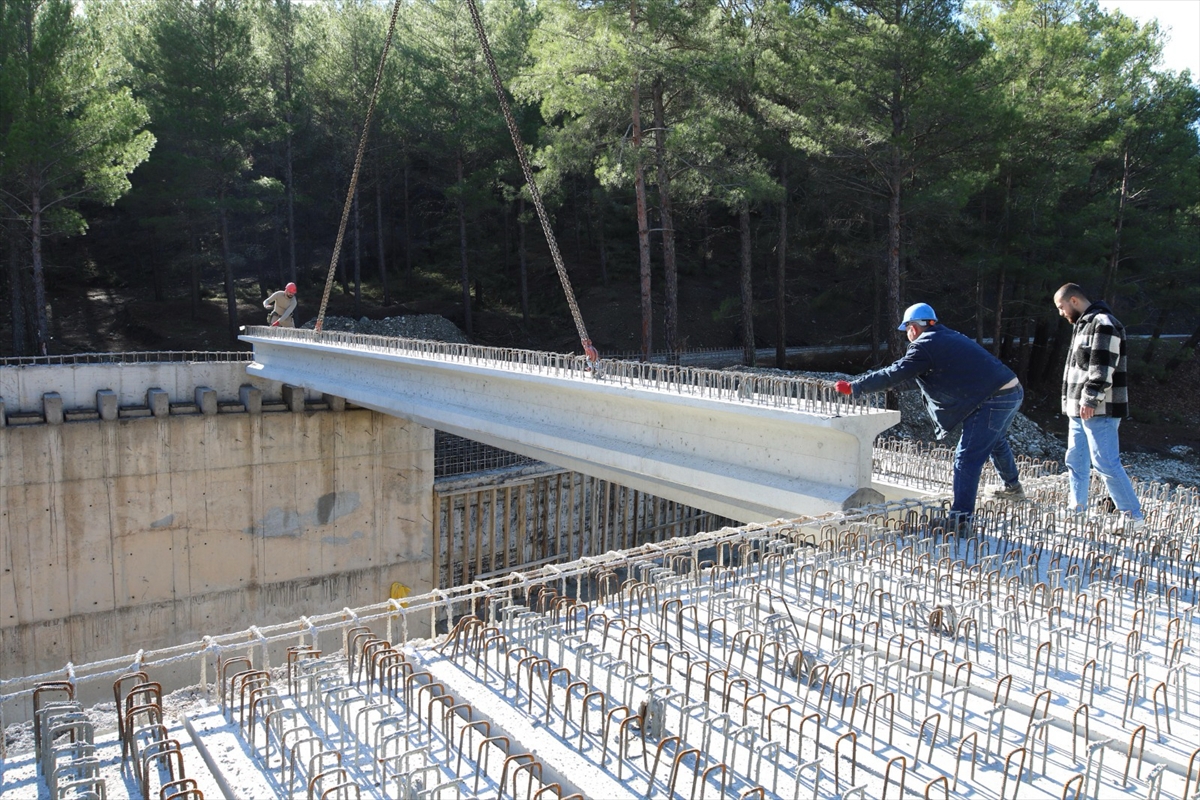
290,288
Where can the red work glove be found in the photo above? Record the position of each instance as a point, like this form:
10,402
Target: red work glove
844,387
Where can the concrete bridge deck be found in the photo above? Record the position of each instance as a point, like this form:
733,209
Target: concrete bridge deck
749,447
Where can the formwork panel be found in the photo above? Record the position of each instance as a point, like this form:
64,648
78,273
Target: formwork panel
143,447
8,576
219,560
144,502
287,438
79,448
142,569
210,442
87,588
41,552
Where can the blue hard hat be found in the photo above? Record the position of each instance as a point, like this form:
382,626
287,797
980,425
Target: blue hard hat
917,312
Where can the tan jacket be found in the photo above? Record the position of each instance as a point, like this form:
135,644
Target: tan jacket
284,307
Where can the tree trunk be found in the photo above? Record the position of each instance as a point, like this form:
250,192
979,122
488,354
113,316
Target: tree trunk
465,276
39,274
289,158
1055,354
16,295
156,276
639,188
227,264
575,216
781,274
1040,350
878,268
357,255
896,344
291,202
265,279
1160,323
670,274
979,309
523,260
1025,352
1114,257
507,249
998,327
601,241
194,275
746,285
379,241
408,262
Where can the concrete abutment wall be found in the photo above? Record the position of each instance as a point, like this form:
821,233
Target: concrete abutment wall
126,531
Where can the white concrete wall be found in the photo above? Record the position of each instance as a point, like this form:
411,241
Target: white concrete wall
135,533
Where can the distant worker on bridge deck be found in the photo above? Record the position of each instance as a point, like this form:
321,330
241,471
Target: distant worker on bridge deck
283,305
961,383
1095,398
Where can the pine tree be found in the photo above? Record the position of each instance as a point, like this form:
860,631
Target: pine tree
72,130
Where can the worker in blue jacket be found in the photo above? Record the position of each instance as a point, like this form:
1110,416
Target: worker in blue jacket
961,382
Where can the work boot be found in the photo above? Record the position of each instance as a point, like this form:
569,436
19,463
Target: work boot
1011,492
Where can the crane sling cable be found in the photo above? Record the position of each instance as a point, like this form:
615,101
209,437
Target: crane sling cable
589,350
358,159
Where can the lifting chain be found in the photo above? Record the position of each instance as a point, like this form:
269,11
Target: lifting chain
590,351
358,159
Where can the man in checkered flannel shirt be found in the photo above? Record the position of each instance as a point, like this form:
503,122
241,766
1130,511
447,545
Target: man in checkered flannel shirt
1095,399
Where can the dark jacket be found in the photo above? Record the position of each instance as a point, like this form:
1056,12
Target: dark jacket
1096,371
953,372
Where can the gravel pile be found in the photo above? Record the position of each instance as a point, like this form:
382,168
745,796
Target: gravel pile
414,326
1164,469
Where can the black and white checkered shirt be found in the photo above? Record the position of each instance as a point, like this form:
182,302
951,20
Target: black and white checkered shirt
1095,373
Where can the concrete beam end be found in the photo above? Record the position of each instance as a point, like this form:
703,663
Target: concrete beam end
293,398
864,496
206,400
158,401
251,398
3,416
106,404
52,408
334,402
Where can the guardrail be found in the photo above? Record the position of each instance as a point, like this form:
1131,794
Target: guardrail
131,357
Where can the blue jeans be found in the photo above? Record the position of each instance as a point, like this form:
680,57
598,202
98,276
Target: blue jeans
984,436
1094,443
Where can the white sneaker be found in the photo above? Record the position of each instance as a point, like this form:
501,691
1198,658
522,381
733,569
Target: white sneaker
1124,522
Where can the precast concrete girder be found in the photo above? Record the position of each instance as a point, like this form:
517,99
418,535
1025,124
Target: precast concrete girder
748,447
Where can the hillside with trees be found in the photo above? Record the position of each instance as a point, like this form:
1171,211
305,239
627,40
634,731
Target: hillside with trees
754,174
